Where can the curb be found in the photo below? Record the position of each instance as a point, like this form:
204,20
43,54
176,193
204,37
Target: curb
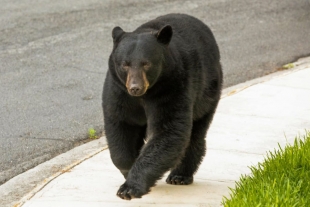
300,64
33,180
54,176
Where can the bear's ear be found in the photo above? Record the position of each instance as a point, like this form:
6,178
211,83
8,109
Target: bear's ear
164,35
117,32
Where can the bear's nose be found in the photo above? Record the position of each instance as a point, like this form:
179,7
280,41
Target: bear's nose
135,90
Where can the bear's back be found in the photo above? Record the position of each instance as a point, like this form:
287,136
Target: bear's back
188,32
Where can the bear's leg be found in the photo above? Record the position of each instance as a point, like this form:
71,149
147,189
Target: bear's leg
125,142
168,134
183,173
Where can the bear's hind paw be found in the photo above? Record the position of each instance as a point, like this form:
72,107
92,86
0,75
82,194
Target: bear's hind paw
179,180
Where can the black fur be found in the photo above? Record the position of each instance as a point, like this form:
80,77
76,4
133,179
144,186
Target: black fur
171,107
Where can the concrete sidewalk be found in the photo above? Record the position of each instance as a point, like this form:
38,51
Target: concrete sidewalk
251,119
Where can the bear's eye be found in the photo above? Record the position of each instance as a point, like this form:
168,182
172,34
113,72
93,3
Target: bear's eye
146,65
125,65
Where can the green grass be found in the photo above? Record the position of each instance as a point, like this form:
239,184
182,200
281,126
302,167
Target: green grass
92,134
281,180
288,66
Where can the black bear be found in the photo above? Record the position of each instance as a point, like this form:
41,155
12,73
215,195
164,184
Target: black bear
160,94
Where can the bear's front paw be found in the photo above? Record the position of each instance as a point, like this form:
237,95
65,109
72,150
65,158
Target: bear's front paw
127,192
179,179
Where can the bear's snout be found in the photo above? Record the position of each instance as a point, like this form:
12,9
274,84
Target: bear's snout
136,83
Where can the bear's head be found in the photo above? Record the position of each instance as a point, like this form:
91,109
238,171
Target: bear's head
139,58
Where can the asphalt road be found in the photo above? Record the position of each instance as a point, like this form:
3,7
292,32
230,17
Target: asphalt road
53,60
